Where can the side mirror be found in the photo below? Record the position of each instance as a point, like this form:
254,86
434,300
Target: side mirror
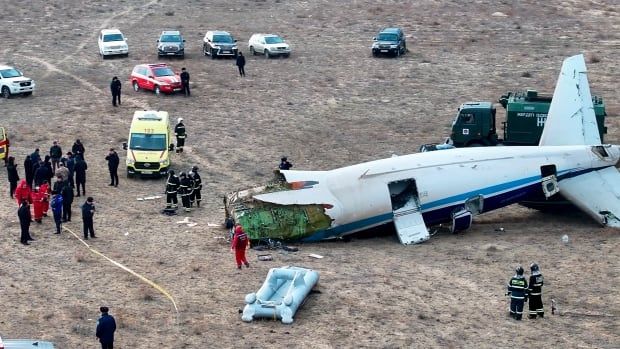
124,145
158,40
171,147
183,40
375,39
235,40
151,77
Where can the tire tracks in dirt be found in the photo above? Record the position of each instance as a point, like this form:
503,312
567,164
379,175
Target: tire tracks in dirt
51,68
104,25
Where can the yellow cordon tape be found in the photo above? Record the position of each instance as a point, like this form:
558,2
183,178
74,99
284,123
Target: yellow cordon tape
154,285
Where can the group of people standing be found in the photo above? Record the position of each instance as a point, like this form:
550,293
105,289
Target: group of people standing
188,185
520,290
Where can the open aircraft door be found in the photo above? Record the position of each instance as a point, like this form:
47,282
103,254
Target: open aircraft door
4,145
408,219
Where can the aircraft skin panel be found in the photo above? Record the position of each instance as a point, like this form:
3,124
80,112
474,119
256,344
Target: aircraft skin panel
597,193
571,119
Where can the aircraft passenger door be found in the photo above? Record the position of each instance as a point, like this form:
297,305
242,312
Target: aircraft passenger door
549,180
408,219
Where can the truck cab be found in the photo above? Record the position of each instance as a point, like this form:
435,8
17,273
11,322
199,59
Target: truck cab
149,144
474,125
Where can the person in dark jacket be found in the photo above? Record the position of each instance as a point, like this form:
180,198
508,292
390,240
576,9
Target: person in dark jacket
285,164
535,292
181,134
115,87
196,196
80,174
24,222
11,170
88,211
78,148
241,64
185,186
172,187
71,168
185,81
55,155
67,201
50,171
41,173
56,205
113,162
106,326
35,156
28,172
517,288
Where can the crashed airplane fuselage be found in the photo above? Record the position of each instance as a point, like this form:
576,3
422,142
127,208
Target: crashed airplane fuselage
423,189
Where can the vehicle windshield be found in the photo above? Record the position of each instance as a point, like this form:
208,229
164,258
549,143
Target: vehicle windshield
10,73
170,38
113,37
147,141
273,40
224,39
163,71
387,37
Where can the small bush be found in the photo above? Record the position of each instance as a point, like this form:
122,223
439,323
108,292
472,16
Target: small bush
169,13
526,74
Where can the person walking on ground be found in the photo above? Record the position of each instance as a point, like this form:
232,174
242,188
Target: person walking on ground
45,190
535,292
24,222
172,187
106,326
67,201
196,195
517,288
239,245
285,164
115,87
35,156
50,172
28,172
184,190
78,148
71,168
185,81
80,174
57,210
88,211
23,192
241,64
181,134
55,155
40,173
113,162
11,170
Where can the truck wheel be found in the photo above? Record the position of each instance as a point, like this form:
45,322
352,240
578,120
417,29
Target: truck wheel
136,87
6,93
204,50
157,91
267,55
213,54
129,174
252,51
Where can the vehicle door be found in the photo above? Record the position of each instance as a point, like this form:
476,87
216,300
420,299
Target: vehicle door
260,44
147,78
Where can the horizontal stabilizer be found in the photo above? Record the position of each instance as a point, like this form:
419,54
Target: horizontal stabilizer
571,119
597,193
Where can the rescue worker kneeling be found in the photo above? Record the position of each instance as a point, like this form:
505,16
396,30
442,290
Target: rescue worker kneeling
517,288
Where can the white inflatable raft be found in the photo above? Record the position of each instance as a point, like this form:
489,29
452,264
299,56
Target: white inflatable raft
281,295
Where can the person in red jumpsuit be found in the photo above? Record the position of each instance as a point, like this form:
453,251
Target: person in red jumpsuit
45,189
37,204
239,245
22,192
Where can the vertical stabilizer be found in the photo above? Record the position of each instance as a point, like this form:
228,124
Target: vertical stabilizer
571,119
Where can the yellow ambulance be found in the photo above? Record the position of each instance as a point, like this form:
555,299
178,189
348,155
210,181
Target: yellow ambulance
149,144
4,145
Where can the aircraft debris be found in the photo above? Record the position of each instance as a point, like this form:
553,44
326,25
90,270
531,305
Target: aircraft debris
317,256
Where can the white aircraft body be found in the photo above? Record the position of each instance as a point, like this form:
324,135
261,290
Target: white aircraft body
424,189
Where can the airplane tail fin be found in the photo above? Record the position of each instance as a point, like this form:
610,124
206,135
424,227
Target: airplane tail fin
571,119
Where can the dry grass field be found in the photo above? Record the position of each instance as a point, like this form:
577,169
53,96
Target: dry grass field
329,105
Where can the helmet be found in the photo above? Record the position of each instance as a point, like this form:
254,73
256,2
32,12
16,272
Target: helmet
182,174
283,158
171,172
195,168
238,229
180,120
534,267
519,270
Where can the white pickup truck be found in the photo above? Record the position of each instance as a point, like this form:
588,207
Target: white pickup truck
13,82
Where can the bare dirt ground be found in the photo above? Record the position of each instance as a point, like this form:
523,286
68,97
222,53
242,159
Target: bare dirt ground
330,105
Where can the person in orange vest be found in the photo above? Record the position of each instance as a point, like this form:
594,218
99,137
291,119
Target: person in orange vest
45,189
23,193
239,245
37,204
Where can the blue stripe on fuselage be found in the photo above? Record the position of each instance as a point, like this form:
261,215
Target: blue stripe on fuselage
434,214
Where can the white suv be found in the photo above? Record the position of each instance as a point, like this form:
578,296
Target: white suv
112,42
269,45
13,82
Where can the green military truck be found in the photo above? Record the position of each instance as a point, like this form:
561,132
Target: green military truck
526,113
